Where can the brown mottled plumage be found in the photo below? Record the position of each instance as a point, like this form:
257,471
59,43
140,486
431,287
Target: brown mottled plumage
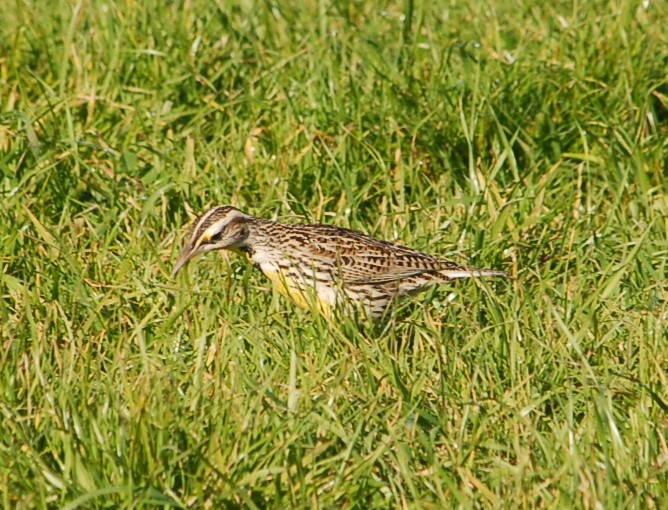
322,265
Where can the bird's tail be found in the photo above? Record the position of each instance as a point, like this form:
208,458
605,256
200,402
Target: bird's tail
471,273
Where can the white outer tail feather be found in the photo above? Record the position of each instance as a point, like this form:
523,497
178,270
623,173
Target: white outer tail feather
473,273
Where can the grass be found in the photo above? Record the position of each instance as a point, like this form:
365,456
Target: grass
528,136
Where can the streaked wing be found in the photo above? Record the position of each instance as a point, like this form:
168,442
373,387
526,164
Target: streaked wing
360,259
399,268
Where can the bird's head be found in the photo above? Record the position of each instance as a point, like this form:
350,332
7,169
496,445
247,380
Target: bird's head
221,227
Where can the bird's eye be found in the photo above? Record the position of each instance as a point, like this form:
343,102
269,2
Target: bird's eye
217,236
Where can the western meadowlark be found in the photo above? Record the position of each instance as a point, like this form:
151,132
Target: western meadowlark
322,265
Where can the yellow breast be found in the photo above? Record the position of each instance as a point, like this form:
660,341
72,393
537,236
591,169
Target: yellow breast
306,298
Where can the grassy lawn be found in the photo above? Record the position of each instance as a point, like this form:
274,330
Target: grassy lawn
526,136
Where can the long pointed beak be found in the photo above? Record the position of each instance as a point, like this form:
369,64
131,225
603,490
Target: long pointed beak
186,255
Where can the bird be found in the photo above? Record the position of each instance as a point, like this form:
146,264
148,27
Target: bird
322,266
